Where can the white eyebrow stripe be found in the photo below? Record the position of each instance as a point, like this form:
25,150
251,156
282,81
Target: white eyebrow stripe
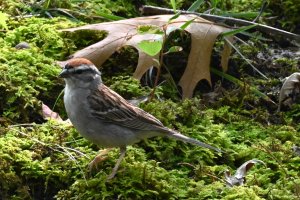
82,67
85,67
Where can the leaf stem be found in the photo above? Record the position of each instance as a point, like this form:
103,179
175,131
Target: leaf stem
161,54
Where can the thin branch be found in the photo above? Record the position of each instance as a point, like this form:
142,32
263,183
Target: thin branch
27,124
64,151
152,10
71,149
247,60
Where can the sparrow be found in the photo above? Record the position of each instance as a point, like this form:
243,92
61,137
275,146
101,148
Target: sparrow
104,117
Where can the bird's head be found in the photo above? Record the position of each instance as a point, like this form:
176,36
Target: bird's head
80,71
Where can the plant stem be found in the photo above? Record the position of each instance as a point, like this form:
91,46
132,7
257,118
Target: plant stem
160,62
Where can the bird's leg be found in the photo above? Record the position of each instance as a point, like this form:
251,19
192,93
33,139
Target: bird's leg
99,158
116,167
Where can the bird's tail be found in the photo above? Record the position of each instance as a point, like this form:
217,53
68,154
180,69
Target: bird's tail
184,138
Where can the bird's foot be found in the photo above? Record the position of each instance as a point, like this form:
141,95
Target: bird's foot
115,169
98,159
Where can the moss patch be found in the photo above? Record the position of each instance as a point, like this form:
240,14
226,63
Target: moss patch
49,160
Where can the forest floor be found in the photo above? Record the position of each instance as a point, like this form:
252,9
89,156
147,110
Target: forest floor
48,159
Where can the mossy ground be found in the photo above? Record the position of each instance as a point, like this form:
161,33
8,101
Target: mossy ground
49,159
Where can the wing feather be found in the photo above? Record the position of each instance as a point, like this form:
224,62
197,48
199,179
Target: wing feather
109,106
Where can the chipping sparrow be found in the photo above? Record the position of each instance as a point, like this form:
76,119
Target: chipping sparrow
104,117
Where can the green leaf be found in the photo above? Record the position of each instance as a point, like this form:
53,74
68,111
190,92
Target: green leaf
214,3
110,16
256,35
245,15
151,48
174,49
195,5
239,30
186,24
175,16
173,3
151,29
3,19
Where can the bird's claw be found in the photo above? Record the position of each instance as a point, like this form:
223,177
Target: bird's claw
98,159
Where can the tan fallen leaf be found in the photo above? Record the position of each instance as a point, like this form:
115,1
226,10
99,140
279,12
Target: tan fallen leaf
49,114
239,177
125,32
291,86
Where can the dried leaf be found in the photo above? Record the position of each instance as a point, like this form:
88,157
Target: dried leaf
239,177
198,67
291,86
49,114
125,32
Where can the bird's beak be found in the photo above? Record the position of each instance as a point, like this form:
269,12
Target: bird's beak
63,74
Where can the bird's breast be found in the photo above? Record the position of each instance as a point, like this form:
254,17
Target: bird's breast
77,107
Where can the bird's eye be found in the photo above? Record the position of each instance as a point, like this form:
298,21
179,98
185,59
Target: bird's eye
67,66
79,71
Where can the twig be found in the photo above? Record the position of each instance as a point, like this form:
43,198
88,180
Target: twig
64,151
71,149
27,124
247,61
72,158
26,16
152,10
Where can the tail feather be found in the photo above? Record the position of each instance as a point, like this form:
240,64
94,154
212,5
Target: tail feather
184,138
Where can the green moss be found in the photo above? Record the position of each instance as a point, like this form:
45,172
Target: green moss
35,158
32,163
30,75
50,160
27,78
76,10
41,33
287,63
127,86
287,13
83,38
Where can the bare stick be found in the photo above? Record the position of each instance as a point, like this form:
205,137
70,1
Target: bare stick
152,10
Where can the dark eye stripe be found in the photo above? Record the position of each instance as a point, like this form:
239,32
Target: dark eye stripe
81,70
67,66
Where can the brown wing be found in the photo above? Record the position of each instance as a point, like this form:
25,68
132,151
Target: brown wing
111,107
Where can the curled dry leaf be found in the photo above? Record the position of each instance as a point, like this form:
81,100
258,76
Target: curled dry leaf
290,87
49,114
239,177
125,32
